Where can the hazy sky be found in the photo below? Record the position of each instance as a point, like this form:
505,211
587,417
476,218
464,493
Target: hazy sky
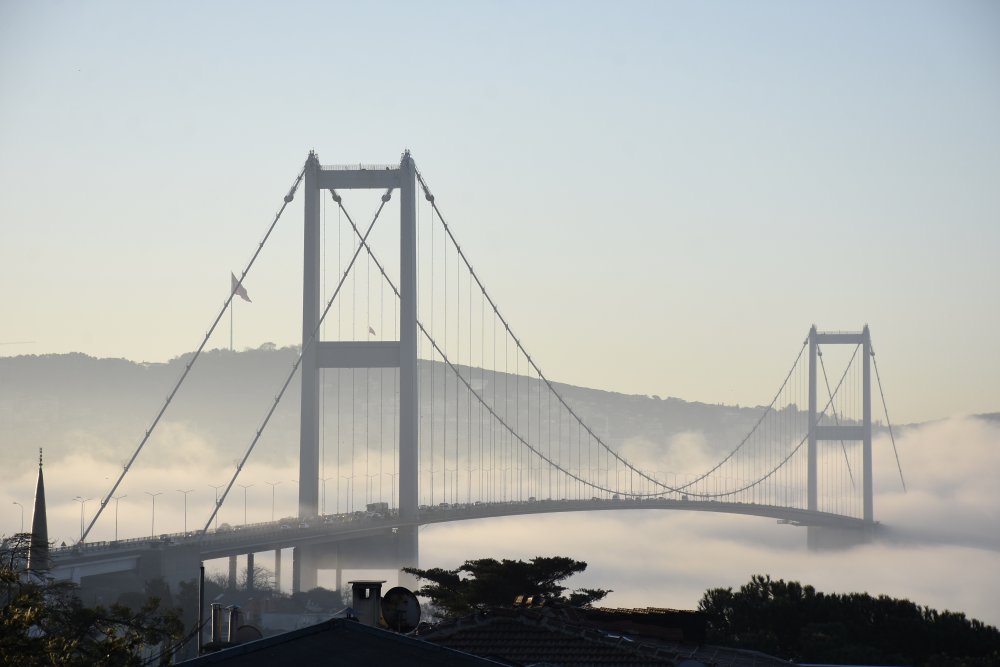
662,196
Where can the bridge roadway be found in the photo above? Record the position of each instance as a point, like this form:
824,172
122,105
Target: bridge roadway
359,531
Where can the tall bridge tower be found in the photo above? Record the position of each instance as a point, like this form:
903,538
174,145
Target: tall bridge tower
319,354
824,537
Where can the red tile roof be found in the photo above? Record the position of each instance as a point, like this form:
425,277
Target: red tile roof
567,637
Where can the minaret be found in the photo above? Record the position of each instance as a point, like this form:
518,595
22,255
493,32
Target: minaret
38,552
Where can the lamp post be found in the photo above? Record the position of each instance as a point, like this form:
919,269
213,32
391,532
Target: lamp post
245,487
22,514
392,487
116,499
185,492
273,484
349,496
217,487
152,514
83,503
325,480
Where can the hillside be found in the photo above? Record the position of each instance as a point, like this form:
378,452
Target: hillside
69,402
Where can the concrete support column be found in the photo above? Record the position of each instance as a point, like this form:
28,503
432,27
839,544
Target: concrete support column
304,569
407,554
408,397
277,570
812,484
866,452
250,567
232,573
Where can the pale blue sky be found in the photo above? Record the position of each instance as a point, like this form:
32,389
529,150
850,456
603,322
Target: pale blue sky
662,196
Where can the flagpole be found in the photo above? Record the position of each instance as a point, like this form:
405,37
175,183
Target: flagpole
240,291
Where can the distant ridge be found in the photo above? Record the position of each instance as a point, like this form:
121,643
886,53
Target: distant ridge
69,402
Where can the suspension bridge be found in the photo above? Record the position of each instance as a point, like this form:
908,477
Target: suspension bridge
437,411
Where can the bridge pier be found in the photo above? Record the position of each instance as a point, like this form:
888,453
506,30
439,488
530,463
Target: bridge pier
304,569
389,550
232,573
407,554
831,538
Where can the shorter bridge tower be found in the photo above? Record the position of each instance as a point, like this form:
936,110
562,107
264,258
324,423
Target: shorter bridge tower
823,537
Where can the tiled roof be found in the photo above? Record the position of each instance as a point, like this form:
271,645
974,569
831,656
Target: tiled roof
530,636
566,637
340,642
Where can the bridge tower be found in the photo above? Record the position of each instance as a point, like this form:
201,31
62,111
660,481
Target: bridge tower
319,354
823,537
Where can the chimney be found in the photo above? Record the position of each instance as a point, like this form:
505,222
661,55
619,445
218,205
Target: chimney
234,623
366,600
216,623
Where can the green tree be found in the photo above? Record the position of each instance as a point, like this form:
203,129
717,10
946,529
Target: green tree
797,622
478,585
43,622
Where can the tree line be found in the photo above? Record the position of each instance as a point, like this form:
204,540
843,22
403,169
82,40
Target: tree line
801,624
43,622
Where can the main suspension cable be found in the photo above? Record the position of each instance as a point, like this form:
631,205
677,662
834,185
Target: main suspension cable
430,197
836,419
500,420
187,367
888,423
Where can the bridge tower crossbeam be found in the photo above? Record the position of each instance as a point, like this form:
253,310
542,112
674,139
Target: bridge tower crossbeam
319,354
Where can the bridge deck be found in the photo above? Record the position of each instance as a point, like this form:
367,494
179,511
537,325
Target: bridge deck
255,538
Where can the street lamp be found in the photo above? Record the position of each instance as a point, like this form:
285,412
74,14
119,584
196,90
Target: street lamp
245,487
349,496
325,480
217,487
22,514
392,486
83,503
152,515
116,499
185,492
273,484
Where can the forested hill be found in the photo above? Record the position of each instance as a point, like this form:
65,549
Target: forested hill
73,402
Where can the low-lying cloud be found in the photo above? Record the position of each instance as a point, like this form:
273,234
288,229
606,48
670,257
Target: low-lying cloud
940,547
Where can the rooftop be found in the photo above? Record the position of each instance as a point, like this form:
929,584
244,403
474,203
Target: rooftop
340,642
574,637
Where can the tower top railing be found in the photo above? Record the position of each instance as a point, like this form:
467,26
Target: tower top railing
358,166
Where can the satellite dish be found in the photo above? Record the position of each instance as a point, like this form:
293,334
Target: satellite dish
400,609
248,633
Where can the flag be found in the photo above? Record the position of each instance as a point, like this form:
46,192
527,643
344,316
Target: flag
371,331
239,289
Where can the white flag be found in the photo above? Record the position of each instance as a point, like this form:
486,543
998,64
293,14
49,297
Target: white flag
238,289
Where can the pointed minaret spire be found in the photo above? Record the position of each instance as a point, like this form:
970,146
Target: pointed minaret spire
38,552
